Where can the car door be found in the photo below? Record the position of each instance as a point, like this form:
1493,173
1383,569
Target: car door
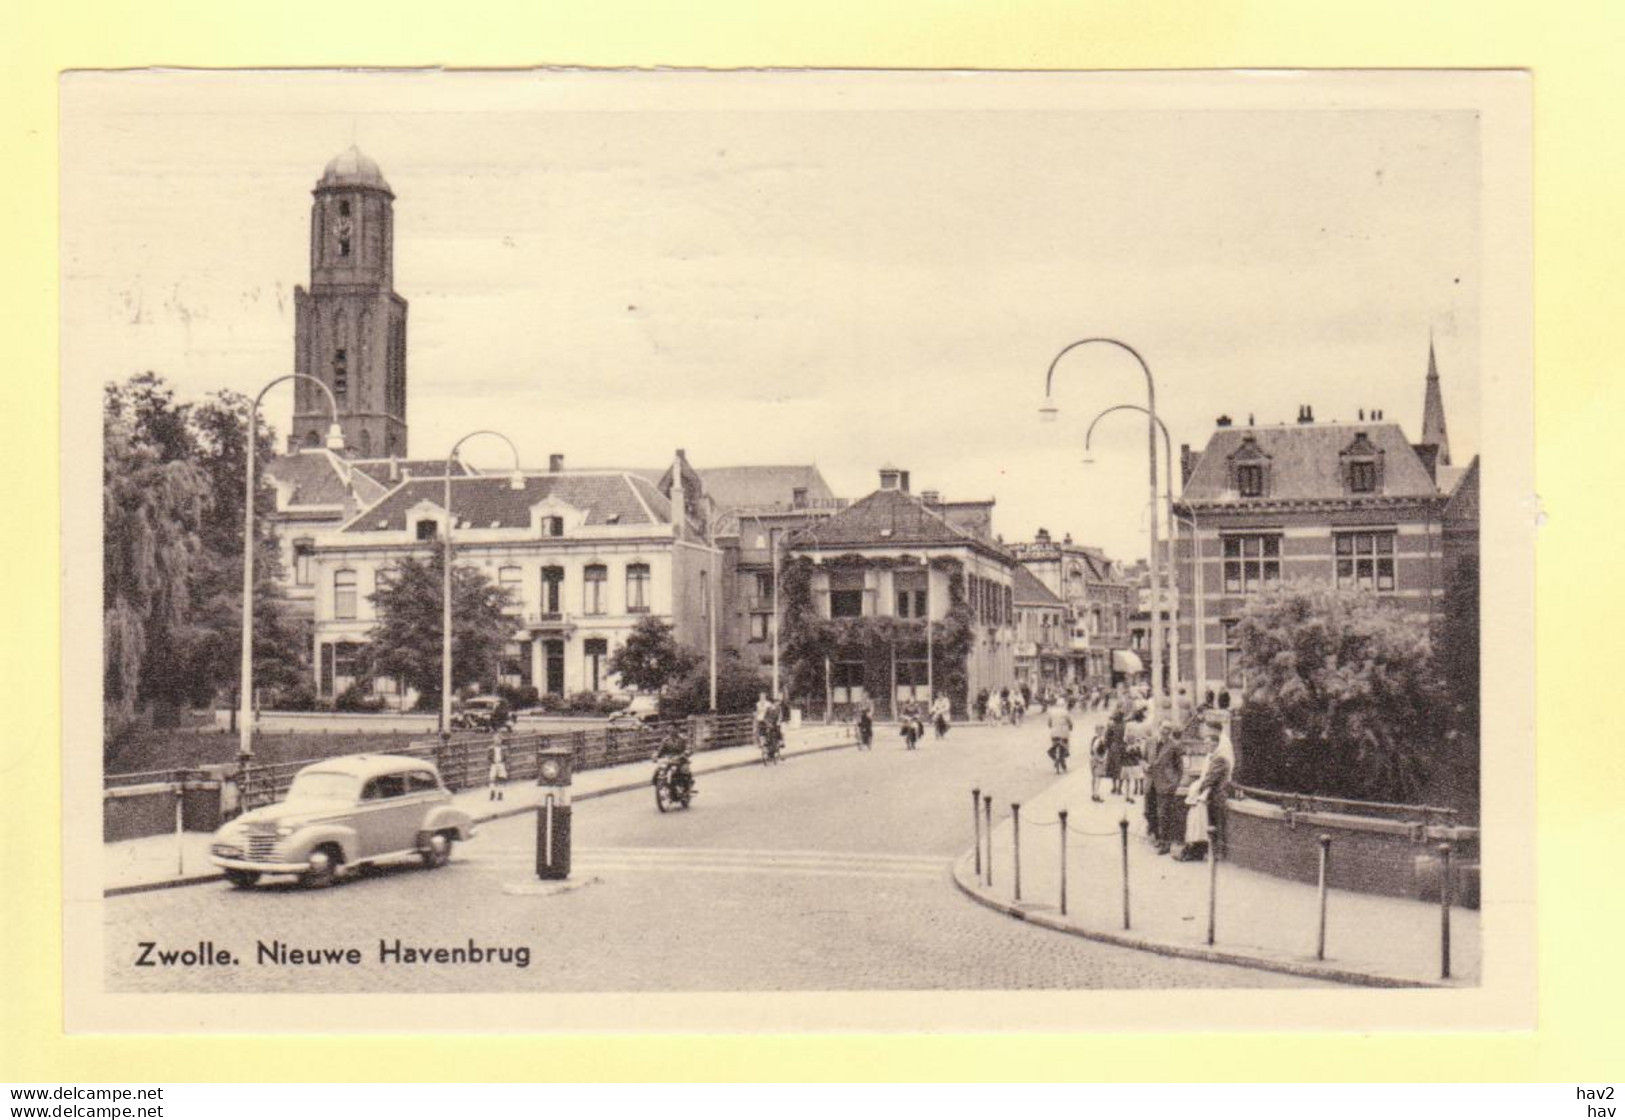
384,819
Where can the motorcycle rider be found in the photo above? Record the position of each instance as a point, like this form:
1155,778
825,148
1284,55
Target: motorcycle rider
674,749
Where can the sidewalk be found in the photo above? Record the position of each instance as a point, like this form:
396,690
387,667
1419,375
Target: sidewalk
1261,921
159,862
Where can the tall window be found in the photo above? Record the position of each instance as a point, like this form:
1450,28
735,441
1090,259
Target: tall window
910,591
1232,654
764,588
511,578
637,588
344,594
304,557
846,682
1250,480
846,595
341,371
383,578
1251,564
596,650
760,627
1365,561
593,599
552,583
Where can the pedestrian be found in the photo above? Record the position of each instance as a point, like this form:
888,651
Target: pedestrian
1134,769
940,711
499,767
1097,765
866,728
1060,738
1207,800
1018,708
1162,802
1116,741
981,705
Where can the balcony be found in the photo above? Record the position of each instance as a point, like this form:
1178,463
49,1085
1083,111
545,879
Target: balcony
547,620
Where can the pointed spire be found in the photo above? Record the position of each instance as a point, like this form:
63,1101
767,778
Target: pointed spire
1433,428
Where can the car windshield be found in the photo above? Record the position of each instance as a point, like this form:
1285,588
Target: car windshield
323,785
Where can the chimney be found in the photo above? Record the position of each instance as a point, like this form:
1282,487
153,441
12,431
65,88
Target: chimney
1222,422
1306,414
394,469
1042,536
1187,463
555,463
891,478
1067,539
930,497
1362,416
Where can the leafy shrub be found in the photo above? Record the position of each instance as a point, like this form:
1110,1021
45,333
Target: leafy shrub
357,699
519,697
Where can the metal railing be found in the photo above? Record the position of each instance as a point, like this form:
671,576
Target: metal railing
464,760
1311,803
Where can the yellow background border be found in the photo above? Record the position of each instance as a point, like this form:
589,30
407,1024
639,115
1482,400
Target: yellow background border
1572,49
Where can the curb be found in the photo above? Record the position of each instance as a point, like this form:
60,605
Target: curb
1174,949
624,787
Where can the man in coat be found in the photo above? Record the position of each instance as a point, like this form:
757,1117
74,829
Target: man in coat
1167,770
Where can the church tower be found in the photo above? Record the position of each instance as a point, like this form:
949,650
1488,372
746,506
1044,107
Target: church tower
1433,430
350,327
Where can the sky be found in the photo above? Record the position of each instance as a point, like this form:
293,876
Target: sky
842,269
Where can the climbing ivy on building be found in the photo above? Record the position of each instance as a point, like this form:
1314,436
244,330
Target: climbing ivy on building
811,641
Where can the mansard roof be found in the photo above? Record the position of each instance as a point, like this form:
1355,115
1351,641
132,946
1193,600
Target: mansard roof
1305,462
492,502
887,519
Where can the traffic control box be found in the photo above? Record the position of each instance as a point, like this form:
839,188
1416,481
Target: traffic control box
554,771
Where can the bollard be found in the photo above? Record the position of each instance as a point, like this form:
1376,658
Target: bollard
1015,824
1122,826
976,828
1444,911
1212,880
1325,863
1062,816
987,821
180,826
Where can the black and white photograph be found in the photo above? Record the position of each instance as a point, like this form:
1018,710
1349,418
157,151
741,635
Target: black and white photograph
796,549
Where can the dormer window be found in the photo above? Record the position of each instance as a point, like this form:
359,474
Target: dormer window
1250,480
1250,470
1362,466
428,529
553,526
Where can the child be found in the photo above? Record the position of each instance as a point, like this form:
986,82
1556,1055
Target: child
1097,766
499,768
911,729
1134,770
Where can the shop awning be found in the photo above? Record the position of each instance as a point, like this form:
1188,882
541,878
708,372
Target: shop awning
1126,661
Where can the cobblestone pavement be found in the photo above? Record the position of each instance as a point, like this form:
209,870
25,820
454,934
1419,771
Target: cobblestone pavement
828,872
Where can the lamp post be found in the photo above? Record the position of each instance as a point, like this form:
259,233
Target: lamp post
1173,524
445,586
335,441
1049,411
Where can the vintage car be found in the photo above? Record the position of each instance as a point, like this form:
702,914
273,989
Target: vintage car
341,814
482,713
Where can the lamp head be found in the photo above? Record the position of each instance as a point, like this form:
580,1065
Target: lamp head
1088,459
1049,411
335,438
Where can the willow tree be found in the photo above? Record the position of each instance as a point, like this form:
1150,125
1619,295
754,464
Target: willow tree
152,510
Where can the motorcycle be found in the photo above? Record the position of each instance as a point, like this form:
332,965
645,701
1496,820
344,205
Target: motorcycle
674,785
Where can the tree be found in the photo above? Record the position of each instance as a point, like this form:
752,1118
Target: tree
152,509
1343,695
651,659
406,643
738,686
173,484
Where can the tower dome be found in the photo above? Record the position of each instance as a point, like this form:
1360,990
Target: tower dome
352,169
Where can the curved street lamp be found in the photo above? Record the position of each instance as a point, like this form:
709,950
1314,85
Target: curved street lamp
1050,411
335,442
445,586
1173,534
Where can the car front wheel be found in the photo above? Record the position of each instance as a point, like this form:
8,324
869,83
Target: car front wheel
239,878
438,852
324,866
